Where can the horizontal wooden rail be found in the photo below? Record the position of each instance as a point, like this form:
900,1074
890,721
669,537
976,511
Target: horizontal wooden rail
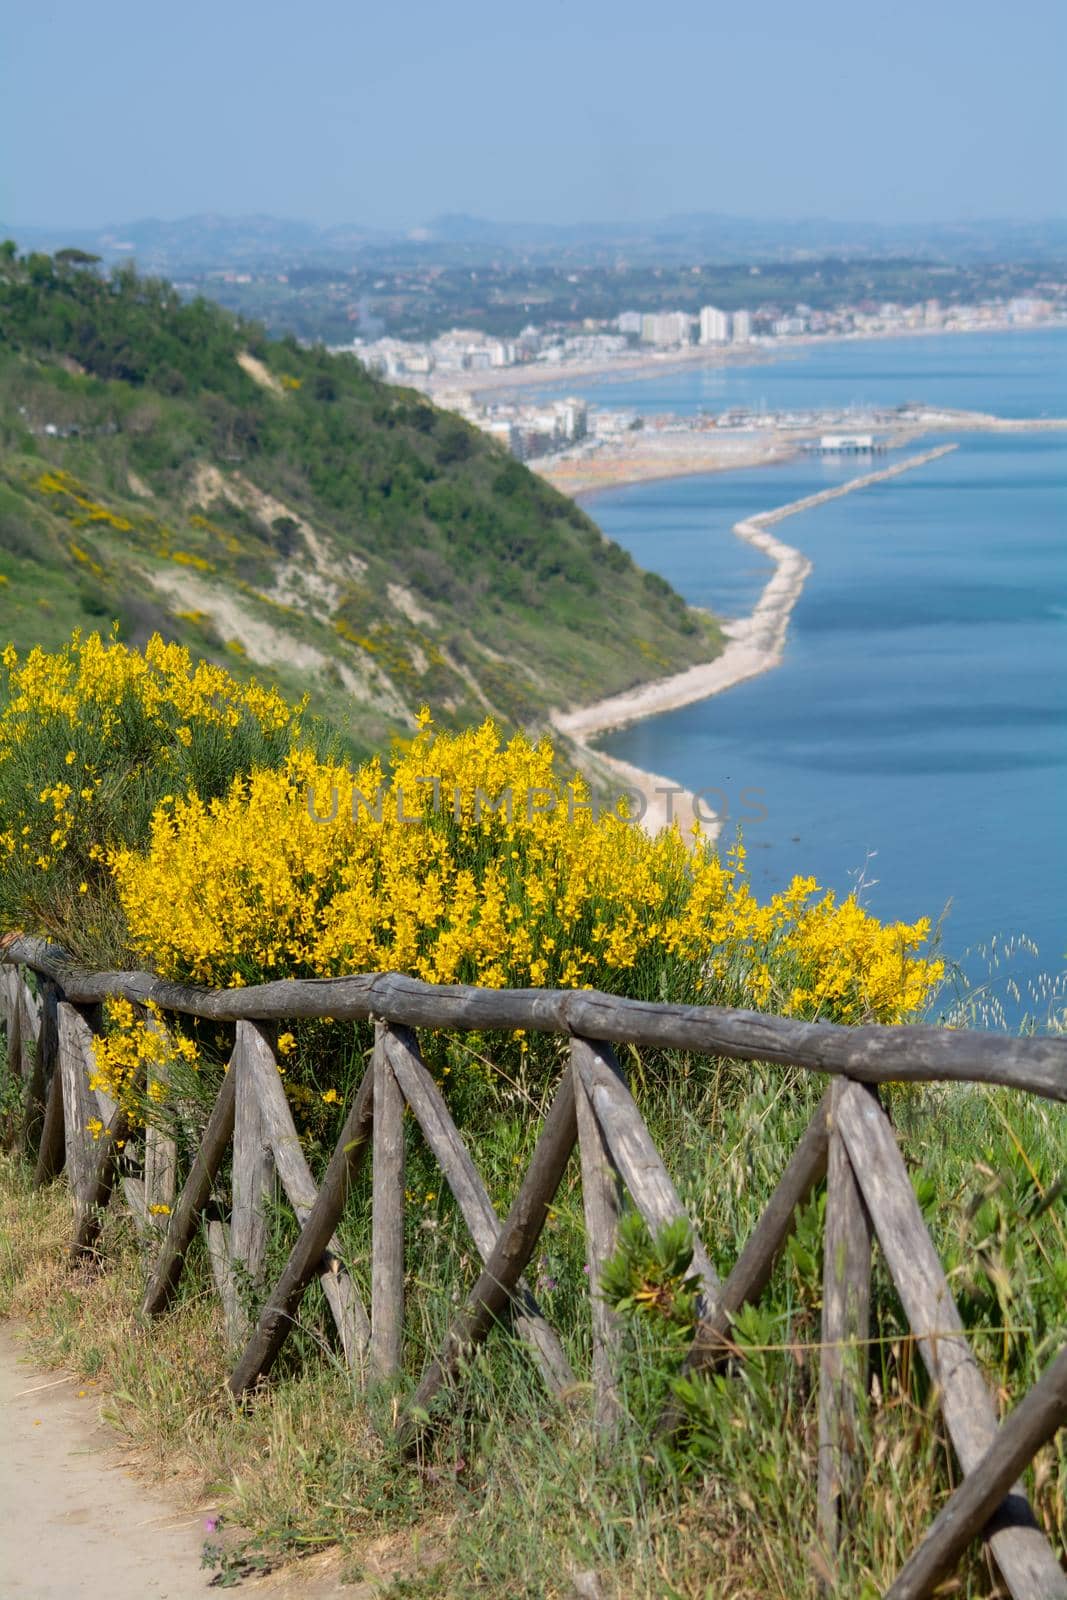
872,1054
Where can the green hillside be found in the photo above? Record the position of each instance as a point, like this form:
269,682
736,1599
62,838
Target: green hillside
277,508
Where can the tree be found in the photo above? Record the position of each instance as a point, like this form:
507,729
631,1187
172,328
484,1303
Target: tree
75,258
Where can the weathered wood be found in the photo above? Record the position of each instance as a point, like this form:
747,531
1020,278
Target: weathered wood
133,1191
964,1515
132,1188
160,1149
94,1201
387,1218
843,1357
11,1019
220,1255
651,1187
602,1204
511,1255
452,1156
33,1065
353,1324
192,1200
79,1104
160,1173
711,1345
9,977
279,1312
1022,1553
51,1152
253,1182
871,1054
21,1016
10,1016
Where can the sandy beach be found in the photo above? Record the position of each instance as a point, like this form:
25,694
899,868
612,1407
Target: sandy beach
647,455
755,645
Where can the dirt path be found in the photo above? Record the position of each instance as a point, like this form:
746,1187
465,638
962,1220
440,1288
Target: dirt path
74,1525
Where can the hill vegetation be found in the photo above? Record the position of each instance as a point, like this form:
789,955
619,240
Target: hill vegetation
278,509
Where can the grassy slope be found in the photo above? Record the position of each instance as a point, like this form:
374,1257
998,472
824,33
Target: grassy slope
292,513
511,1497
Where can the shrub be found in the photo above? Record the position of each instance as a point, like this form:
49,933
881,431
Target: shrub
91,739
157,810
473,861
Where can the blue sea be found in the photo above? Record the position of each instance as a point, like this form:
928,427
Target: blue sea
913,743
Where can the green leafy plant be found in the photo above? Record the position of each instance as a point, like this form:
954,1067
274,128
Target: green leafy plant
648,1277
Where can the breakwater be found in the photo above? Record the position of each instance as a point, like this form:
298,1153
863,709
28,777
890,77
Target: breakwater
756,642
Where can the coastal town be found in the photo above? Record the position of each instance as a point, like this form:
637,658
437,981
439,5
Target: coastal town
484,378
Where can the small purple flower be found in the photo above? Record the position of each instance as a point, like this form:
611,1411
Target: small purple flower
210,1524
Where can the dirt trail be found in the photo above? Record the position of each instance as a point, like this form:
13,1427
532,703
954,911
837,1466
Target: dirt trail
74,1525
73,1522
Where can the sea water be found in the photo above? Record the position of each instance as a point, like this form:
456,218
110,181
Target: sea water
913,742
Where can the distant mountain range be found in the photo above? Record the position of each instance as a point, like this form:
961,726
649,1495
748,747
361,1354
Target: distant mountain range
208,242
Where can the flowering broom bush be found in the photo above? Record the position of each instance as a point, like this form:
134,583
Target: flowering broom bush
228,852
91,738
473,861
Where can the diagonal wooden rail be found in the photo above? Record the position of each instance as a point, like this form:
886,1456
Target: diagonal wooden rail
50,1012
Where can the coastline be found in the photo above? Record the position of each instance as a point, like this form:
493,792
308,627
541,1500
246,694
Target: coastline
639,366
756,644
650,455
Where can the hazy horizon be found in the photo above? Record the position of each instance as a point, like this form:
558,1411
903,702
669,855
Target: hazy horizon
928,115
651,220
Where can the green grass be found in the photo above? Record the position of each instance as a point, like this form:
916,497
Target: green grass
511,1495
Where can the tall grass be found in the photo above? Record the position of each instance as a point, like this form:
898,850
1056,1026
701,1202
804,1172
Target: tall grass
514,1494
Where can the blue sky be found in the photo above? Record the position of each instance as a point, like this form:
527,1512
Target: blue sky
343,111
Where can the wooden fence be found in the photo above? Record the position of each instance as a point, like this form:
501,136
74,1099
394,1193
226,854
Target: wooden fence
849,1143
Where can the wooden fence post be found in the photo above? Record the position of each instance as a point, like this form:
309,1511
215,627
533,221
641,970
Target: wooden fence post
452,1156
1022,1552
22,1018
602,1202
843,1355
100,1184
253,1181
192,1200
51,1152
160,1151
32,1066
387,1217
79,1106
305,1259
353,1325
11,1016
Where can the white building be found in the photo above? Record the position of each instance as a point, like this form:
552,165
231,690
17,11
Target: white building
742,327
714,326
573,417
629,322
666,328
846,443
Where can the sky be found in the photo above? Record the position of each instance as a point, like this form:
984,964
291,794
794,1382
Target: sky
589,110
